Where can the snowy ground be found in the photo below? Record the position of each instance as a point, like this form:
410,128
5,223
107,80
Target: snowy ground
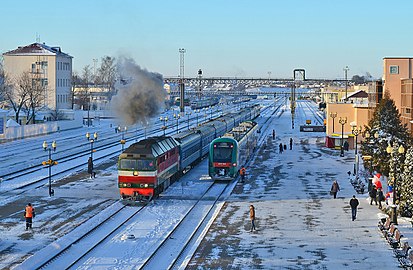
299,225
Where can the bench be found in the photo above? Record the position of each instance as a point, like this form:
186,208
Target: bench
407,262
384,225
394,240
402,252
390,232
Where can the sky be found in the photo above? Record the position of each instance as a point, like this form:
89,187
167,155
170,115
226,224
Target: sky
223,38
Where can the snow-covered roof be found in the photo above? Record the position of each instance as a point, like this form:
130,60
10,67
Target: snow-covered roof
37,49
358,94
12,123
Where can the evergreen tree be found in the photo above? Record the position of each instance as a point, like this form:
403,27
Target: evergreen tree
387,125
405,185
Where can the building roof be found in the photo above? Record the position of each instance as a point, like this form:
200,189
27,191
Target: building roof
37,49
358,94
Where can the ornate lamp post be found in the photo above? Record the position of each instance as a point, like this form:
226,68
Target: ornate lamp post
391,150
123,131
333,115
342,121
356,132
177,116
164,119
50,162
91,140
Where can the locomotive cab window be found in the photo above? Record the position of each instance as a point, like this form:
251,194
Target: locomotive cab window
222,152
137,164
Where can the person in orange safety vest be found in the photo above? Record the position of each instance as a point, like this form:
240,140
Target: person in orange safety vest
242,172
29,215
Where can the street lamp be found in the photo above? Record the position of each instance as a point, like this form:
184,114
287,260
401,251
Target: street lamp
91,140
356,132
177,116
333,115
342,121
123,131
188,114
164,119
50,162
390,150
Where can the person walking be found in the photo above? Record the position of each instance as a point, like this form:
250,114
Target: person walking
291,143
334,188
354,203
281,148
373,195
242,172
90,167
380,197
273,134
252,217
29,215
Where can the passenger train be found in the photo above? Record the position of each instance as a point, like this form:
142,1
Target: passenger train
148,167
228,153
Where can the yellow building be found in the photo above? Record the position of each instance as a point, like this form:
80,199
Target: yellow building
51,67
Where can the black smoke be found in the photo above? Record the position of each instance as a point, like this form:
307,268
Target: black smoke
140,96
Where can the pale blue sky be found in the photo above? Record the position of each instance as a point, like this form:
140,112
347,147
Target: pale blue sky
223,38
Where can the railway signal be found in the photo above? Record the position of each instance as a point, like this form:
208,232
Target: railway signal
50,162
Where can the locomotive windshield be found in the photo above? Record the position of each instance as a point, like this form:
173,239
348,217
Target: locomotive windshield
137,164
223,152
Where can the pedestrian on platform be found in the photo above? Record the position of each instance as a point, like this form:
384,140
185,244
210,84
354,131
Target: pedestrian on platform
334,188
242,173
285,147
273,134
291,143
252,217
90,167
380,197
373,195
281,148
354,203
29,215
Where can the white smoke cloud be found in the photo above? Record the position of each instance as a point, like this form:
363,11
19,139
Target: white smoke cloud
140,96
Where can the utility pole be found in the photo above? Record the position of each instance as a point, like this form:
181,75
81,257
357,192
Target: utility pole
346,69
182,52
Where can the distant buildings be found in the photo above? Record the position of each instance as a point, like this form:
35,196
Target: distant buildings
48,67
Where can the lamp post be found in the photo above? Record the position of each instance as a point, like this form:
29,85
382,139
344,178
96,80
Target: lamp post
123,131
356,132
390,150
91,140
188,114
177,116
342,121
333,115
164,119
50,162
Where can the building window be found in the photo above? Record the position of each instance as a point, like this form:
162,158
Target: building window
407,110
394,70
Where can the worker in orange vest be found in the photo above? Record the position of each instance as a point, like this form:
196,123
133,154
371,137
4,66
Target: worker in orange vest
29,215
242,172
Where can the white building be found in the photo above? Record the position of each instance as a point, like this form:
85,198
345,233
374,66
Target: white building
49,65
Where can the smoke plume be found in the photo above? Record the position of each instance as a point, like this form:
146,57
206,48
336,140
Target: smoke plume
140,96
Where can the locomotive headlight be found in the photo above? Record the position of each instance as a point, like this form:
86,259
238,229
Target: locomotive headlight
234,164
135,173
124,184
146,185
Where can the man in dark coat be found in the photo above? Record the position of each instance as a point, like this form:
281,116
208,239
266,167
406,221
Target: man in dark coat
354,203
90,167
373,195
291,143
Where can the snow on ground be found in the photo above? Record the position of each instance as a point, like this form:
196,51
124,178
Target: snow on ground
299,225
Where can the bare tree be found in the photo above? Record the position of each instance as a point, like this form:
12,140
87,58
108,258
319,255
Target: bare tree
35,97
107,75
56,114
18,93
76,82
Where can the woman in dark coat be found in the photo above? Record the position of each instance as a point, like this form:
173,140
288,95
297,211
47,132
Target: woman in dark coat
334,188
